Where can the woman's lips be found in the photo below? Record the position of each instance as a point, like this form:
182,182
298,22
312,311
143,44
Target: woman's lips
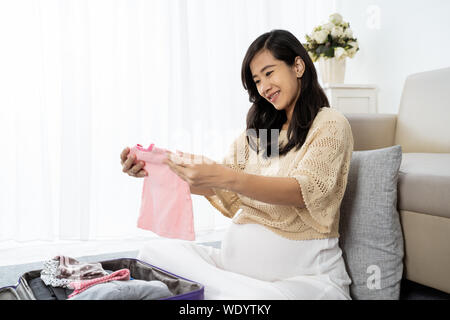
274,97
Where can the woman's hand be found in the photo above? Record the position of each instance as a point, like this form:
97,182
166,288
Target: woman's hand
130,166
197,171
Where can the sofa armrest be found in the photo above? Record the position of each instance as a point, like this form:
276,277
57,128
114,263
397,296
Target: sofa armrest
372,130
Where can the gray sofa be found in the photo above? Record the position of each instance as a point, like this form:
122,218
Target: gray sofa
422,128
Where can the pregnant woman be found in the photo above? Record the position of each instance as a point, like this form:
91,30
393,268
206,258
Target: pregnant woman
281,182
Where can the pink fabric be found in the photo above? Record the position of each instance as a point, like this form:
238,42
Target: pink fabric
80,286
166,204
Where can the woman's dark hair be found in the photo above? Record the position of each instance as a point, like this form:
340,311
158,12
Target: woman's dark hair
262,114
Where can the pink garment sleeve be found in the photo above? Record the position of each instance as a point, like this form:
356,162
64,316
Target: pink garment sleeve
166,204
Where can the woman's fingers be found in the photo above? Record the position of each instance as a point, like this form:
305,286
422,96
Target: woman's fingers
175,158
141,174
189,158
128,163
130,166
186,156
137,167
194,158
138,171
124,155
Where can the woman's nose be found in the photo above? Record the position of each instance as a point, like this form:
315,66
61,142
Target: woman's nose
265,88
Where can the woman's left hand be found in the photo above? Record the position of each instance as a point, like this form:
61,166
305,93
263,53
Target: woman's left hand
197,171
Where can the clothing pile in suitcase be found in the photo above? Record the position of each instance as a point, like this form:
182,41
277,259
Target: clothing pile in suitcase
65,278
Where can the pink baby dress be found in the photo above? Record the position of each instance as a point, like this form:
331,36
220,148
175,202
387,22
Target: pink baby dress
166,204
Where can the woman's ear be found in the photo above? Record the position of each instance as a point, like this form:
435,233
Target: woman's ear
299,66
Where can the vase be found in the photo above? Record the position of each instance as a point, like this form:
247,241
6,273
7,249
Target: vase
332,70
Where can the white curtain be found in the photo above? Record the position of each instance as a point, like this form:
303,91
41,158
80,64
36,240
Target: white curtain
82,79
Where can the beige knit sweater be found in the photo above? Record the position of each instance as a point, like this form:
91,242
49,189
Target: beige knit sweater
320,167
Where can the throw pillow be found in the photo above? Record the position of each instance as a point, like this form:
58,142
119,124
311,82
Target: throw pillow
370,232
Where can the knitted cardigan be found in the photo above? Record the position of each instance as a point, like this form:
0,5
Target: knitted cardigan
320,167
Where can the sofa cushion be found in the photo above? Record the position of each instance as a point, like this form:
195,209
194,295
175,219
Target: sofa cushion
424,183
422,120
372,131
370,233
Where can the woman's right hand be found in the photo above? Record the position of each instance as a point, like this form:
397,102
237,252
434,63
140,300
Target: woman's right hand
130,166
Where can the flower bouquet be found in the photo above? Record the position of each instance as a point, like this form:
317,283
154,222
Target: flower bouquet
329,44
333,39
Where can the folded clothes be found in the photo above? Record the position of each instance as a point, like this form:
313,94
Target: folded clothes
44,292
62,270
80,286
126,290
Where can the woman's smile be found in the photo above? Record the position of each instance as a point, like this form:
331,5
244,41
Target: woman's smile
273,97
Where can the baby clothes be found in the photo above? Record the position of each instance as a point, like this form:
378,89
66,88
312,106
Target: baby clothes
62,270
80,286
166,204
126,290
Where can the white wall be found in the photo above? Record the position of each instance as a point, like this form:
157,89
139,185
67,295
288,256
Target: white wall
396,38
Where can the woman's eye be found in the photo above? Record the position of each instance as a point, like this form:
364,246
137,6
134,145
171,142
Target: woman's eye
267,74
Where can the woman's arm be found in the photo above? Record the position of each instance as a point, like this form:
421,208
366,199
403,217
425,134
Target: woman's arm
202,177
273,190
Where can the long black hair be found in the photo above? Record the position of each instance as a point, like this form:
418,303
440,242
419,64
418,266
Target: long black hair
262,114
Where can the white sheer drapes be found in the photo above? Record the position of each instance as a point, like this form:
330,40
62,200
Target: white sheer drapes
82,79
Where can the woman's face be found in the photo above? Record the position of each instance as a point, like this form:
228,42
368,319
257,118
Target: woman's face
277,82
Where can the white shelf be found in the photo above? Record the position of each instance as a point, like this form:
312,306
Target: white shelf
350,86
353,98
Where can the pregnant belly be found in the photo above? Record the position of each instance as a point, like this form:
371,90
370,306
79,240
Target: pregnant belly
255,251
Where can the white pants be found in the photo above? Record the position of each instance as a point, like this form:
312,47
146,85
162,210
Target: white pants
255,263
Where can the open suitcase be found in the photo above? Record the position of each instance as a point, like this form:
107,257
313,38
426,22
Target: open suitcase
182,288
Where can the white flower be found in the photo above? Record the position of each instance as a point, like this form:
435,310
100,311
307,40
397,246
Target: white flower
328,26
340,53
351,52
337,32
335,18
354,44
348,33
320,36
